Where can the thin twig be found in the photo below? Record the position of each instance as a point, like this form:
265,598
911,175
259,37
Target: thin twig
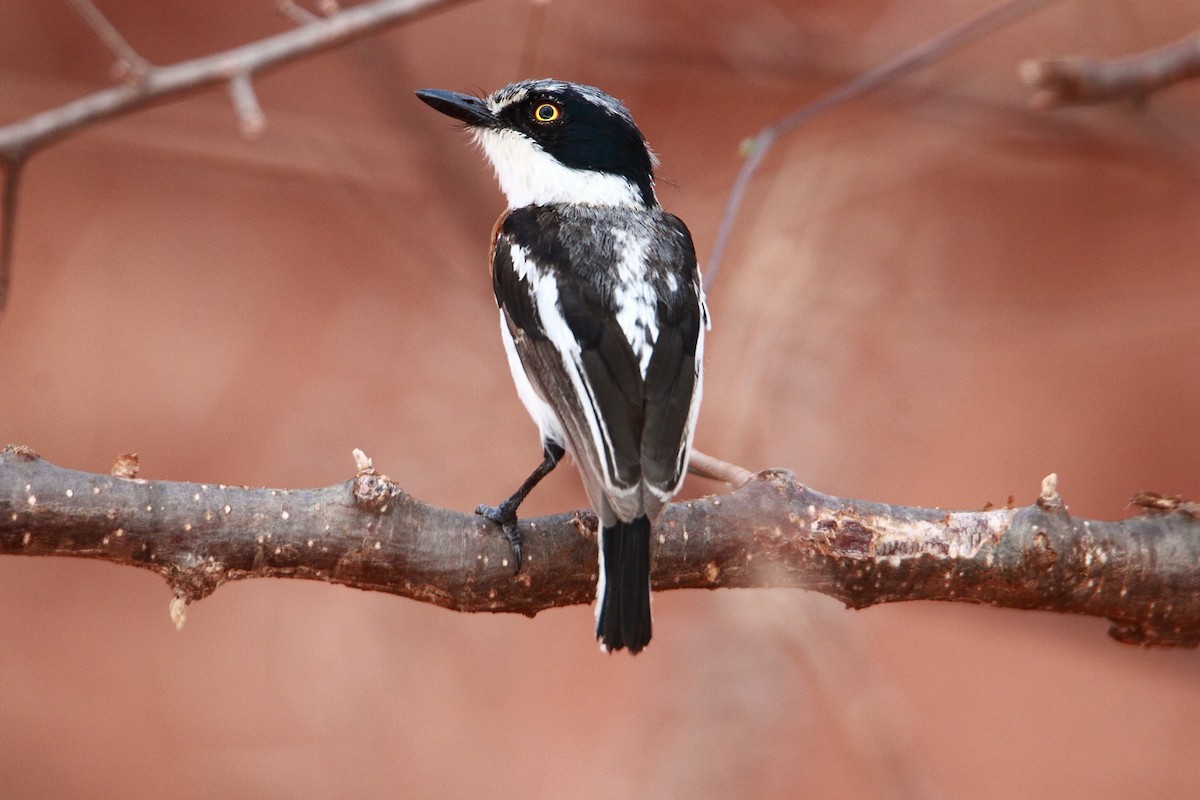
172,81
135,67
19,140
919,56
245,104
713,468
1086,81
297,14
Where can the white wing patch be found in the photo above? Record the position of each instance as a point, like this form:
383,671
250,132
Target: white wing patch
637,306
545,293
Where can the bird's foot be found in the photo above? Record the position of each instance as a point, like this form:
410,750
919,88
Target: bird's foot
505,516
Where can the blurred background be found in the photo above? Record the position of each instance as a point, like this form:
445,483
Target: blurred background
934,296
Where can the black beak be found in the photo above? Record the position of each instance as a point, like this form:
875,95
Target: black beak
464,107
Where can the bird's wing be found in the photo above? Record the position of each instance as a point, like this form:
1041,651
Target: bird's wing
576,356
673,377
617,360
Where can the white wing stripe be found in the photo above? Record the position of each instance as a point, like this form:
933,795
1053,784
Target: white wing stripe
637,307
545,291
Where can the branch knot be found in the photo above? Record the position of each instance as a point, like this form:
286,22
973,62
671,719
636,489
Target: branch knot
371,489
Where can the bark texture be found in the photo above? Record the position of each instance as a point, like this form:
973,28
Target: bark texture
1141,573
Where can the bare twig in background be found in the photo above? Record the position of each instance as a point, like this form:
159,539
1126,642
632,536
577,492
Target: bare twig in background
1140,573
169,82
707,466
129,61
250,116
1085,81
297,14
760,144
19,140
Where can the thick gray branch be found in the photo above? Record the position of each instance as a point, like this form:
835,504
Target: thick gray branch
1141,573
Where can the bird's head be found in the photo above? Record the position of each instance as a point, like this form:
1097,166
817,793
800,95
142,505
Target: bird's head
556,142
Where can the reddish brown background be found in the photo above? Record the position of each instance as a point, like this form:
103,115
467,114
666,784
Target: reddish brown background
934,297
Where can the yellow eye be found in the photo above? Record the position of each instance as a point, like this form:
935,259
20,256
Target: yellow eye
547,112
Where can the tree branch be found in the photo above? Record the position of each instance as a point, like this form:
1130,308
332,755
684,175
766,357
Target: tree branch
1085,81
297,14
715,469
1141,573
169,82
130,62
250,116
155,84
927,52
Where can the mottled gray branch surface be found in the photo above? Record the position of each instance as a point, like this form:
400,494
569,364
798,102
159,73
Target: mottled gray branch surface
1142,573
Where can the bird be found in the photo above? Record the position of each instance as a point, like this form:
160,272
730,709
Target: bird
602,315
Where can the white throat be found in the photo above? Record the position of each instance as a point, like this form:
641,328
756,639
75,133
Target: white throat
529,176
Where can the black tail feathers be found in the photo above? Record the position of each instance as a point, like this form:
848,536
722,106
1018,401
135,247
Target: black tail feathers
623,620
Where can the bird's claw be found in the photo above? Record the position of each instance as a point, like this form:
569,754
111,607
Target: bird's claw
507,520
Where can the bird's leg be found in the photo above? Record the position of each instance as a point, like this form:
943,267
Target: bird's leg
505,514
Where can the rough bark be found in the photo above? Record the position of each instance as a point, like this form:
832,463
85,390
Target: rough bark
1141,573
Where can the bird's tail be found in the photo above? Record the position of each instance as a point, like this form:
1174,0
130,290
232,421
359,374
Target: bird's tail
623,596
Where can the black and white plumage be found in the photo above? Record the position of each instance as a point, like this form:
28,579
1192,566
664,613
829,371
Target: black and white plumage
602,315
